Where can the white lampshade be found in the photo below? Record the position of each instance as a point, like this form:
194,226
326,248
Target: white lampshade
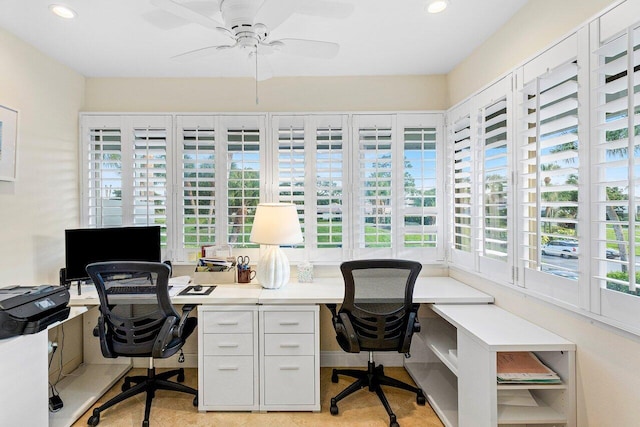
275,224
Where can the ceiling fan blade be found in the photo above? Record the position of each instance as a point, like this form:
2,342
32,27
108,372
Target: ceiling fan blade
186,13
201,52
274,13
329,9
309,48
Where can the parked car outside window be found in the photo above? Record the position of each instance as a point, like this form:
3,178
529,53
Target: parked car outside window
562,248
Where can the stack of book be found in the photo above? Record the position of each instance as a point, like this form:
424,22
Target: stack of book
524,367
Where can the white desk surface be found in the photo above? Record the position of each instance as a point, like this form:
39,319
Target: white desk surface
428,289
499,330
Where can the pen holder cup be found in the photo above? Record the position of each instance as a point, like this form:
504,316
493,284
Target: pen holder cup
246,276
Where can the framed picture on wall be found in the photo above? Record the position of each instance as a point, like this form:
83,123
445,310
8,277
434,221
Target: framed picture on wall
8,143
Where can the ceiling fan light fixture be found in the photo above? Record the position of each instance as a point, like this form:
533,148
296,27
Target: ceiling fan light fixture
437,6
62,11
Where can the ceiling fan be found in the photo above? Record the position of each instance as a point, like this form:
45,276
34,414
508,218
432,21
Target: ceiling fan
248,23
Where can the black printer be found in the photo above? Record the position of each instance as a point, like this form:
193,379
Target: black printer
30,309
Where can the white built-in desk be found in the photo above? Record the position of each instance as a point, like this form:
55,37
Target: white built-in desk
454,361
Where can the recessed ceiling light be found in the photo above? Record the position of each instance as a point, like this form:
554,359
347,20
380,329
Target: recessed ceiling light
436,6
62,11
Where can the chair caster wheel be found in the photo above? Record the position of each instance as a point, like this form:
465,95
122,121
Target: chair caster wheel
393,422
94,419
334,377
195,401
421,400
180,376
145,423
333,408
126,385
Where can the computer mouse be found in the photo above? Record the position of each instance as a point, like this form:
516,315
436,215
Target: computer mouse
197,288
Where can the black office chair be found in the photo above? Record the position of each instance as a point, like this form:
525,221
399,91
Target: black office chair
140,330
377,314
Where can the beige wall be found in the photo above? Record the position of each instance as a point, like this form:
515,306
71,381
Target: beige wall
535,27
391,93
43,201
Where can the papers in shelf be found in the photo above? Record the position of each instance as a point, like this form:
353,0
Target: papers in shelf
516,397
523,367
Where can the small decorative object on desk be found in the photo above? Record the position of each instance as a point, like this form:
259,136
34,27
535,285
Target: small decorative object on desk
305,272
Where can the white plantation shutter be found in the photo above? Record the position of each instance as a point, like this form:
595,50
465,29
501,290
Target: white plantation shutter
104,183
493,242
329,179
196,137
419,215
462,173
617,178
244,135
126,174
374,197
549,165
150,176
291,165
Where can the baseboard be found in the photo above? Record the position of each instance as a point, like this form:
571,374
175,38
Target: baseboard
327,359
358,360
190,361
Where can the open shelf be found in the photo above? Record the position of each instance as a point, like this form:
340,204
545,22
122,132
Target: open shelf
80,389
440,337
440,386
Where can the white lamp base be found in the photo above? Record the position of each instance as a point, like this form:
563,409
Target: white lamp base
273,268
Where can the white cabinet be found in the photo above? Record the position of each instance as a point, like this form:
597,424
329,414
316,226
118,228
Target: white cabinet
289,358
258,358
228,358
454,362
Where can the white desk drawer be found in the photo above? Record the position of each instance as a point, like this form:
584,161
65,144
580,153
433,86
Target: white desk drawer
289,344
289,380
228,322
228,381
297,322
228,344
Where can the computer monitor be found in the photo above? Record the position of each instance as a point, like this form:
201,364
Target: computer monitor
86,245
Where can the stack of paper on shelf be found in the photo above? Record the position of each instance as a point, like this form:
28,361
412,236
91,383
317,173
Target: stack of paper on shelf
523,367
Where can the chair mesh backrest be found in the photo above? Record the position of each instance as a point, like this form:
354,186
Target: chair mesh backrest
378,299
131,329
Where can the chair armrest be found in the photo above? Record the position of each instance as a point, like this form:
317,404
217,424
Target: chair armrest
346,335
165,336
186,311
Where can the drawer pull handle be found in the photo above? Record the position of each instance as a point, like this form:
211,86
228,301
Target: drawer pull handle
289,368
228,345
289,345
228,368
227,323
289,323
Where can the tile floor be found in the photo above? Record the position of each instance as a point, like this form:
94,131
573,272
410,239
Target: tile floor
171,409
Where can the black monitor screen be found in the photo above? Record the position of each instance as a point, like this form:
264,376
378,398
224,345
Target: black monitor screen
86,245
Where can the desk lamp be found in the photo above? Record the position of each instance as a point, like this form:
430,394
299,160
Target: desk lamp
275,224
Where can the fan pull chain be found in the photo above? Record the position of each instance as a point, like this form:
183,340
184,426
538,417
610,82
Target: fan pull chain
257,75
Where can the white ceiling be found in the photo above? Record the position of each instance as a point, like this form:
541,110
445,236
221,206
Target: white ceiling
123,38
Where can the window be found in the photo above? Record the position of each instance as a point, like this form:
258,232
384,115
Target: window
375,193
551,102
461,161
617,178
125,179
421,229
243,173
491,138
226,164
197,143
